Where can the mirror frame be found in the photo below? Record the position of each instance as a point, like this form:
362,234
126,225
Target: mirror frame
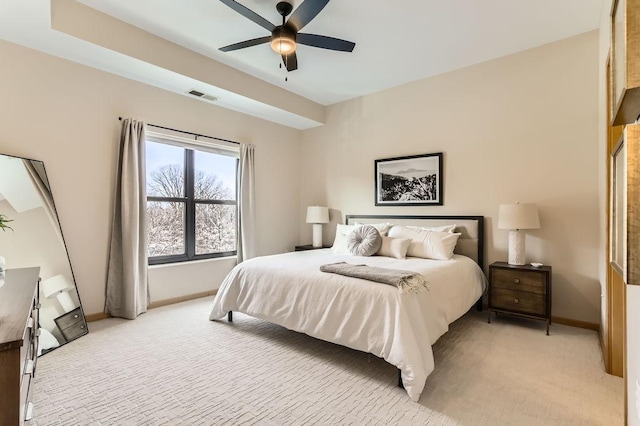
70,310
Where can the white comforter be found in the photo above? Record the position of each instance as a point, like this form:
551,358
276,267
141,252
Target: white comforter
289,290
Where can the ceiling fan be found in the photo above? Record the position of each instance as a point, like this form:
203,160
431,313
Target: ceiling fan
284,38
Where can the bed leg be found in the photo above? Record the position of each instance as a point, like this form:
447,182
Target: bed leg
400,385
230,316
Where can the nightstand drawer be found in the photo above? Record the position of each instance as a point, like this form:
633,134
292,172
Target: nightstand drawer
518,280
76,330
69,319
520,301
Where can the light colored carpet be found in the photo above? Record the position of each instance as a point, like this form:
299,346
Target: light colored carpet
172,366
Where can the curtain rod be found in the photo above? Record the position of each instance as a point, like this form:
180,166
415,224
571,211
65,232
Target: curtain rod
189,133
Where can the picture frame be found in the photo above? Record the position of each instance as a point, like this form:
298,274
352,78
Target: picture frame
414,180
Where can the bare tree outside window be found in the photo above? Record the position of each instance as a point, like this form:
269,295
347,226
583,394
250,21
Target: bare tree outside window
210,202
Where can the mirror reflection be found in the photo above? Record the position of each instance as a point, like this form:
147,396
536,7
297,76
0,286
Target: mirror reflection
35,239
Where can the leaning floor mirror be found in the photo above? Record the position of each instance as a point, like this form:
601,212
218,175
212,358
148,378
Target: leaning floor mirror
35,239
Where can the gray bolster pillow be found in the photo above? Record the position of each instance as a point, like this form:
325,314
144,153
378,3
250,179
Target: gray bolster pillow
365,240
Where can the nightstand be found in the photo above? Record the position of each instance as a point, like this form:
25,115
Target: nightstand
72,324
308,247
522,290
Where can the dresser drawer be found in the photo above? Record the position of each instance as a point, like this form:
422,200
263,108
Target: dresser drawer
519,280
74,331
25,396
69,319
518,301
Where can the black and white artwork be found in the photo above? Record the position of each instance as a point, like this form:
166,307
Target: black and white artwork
409,181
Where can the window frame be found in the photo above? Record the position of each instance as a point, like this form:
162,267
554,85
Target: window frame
190,203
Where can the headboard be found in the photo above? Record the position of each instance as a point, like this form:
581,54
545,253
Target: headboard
470,243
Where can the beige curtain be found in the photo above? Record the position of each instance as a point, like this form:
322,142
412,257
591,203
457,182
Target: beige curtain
127,288
246,204
35,170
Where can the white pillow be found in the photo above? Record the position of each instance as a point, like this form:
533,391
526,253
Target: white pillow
436,245
382,228
443,228
427,244
394,247
340,242
416,232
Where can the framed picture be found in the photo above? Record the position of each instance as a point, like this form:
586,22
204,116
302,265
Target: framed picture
409,181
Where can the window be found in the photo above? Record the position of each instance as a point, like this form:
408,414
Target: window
191,202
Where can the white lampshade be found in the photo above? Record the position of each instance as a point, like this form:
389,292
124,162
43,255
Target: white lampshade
52,287
317,214
518,216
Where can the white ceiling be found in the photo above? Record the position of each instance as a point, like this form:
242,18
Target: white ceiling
396,41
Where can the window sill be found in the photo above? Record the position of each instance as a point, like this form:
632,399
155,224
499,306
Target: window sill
234,259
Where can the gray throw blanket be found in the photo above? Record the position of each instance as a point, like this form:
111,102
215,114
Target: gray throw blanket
406,281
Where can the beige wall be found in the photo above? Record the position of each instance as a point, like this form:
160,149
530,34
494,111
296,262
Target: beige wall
520,128
66,115
603,128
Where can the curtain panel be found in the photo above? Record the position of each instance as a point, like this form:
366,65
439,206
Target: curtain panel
246,204
127,294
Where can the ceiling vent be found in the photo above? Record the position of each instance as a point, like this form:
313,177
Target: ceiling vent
201,95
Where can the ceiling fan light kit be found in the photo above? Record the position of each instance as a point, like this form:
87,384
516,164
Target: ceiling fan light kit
283,41
285,38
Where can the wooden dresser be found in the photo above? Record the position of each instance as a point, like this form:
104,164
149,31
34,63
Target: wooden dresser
520,290
18,344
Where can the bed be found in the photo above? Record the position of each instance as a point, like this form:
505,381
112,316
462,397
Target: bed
288,289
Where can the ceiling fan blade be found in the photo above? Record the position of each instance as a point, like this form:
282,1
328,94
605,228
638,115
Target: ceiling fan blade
305,13
249,14
246,43
290,61
325,42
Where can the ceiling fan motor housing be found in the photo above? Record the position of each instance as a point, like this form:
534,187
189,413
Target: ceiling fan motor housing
284,8
282,31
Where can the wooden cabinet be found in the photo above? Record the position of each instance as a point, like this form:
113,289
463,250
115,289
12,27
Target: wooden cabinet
520,290
19,307
625,61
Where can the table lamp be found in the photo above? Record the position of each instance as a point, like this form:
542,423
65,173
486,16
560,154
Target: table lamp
516,217
58,287
317,215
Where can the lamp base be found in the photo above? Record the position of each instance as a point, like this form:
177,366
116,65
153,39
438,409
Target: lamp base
65,301
317,235
516,248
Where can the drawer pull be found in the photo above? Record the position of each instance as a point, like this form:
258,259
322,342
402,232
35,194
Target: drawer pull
515,300
38,331
30,323
39,305
516,280
76,316
82,327
29,412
